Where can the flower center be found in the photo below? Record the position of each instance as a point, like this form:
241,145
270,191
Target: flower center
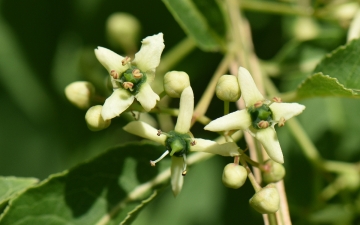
132,79
261,116
178,144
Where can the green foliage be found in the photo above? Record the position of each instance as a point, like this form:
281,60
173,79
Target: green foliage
320,85
203,21
12,186
41,133
336,75
101,191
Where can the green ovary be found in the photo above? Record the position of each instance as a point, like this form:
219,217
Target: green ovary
178,144
258,114
128,76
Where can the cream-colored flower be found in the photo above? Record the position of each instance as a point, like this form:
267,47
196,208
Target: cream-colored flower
259,117
131,79
179,142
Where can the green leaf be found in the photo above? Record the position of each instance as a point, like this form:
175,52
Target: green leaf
11,186
336,75
106,190
202,20
320,85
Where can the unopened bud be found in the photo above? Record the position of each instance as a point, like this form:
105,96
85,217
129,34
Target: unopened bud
234,176
123,30
305,29
175,82
228,89
274,171
267,200
345,11
94,120
80,93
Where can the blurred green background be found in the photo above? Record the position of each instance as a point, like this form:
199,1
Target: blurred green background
45,45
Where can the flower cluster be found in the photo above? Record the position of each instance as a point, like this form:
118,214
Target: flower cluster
131,80
179,142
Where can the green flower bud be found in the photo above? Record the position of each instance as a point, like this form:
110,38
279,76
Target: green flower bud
94,120
234,176
274,171
175,82
80,93
123,31
267,200
228,89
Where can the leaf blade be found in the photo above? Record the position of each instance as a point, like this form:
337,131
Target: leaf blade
196,24
89,192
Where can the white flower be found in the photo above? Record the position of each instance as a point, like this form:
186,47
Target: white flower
178,142
131,79
259,117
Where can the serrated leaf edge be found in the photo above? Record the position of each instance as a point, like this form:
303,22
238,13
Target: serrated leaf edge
353,91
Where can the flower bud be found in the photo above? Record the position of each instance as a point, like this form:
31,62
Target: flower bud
346,11
267,200
80,93
123,30
94,120
228,89
305,29
273,171
234,176
175,82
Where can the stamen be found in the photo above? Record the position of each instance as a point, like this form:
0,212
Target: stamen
159,132
193,143
137,74
184,167
128,85
263,124
281,122
258,104
126,60
152,163
277,99
114,74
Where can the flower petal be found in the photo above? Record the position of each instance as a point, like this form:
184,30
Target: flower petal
238,120
147,97
270,142
144,130
110,60
148,58
186,110
226,149
177,179
286,110
117,103
250,92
